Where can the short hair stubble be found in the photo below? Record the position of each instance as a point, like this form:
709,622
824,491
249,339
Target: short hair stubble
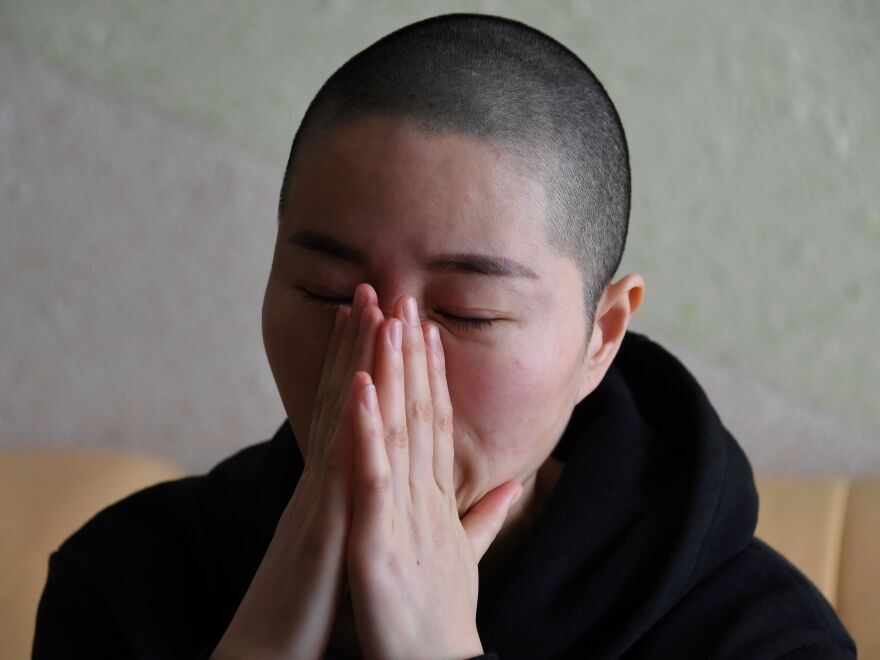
510,85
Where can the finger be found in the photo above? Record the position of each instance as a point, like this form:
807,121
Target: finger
419,411
359,354
444,450
334,500
362,360
390,391
331,387
329,358
371,516
332,395
365,346
484,519
337,462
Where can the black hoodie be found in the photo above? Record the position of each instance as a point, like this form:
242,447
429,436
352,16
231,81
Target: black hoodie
644,550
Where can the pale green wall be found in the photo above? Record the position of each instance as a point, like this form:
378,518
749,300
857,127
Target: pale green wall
753,130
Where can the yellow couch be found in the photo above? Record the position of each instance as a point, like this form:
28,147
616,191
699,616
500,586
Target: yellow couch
47,495
829,528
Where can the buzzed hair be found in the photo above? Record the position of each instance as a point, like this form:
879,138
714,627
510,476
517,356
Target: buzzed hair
510,85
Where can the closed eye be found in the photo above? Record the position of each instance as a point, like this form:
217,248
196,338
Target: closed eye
465,322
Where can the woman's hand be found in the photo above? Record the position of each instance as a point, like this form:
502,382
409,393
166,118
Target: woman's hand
412,564
291,604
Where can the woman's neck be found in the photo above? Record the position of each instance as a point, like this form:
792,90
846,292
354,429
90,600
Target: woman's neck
522,516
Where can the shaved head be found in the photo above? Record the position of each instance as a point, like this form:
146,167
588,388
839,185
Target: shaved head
512,86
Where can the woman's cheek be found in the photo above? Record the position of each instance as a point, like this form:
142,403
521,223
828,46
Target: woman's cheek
295,344
495,395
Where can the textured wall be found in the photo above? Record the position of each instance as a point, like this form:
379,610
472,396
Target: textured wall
141,145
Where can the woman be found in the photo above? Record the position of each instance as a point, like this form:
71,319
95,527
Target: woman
479,458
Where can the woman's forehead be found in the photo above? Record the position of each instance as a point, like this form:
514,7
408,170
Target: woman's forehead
385,179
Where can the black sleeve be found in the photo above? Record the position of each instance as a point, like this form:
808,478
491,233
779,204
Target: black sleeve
71,620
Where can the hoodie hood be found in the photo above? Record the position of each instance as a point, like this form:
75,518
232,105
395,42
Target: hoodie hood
655,495
644,549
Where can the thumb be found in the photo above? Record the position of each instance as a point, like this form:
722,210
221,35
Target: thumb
484,519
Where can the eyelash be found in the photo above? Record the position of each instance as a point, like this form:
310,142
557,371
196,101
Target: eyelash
466,323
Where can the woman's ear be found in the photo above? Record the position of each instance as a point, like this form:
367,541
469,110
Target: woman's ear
618,303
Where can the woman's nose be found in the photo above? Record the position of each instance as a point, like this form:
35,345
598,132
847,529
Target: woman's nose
393,284
388,305
388,301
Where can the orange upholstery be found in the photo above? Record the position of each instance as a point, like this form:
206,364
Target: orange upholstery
45,496
829,528
858,584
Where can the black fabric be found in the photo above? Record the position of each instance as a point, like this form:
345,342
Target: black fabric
645,548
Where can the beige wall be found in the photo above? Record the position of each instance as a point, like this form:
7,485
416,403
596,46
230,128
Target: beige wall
141,150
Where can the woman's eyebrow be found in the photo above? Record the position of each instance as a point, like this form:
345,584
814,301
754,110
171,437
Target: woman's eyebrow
481,264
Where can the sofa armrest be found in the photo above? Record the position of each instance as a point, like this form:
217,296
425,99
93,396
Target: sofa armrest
830,529
45,496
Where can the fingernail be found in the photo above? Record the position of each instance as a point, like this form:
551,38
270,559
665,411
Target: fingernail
370,397
410,311
396,334
360,296
434,340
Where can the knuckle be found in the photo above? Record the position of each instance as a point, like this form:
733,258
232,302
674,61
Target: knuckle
396,435
414,344
394,566
410,348
378,485
421,410
443,421
395,368
375,566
